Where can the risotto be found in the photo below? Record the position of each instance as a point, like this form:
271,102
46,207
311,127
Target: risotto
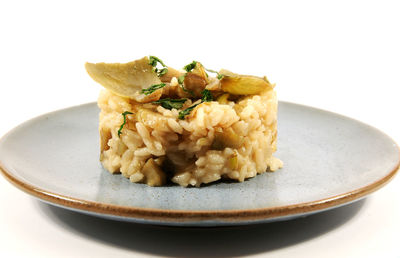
160,125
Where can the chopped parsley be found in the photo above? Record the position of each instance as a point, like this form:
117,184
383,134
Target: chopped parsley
186,111
162,71
189,67
152,88
181,79
206,97
219,76
122,126
170,103
154,61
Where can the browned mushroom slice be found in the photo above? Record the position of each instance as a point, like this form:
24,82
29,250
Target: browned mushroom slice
196,80
170,74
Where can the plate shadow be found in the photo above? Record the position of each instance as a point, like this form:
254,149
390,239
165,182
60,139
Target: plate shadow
201,242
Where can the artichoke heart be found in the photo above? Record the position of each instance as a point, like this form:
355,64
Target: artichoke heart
154,176
223,99
233,161
124,79
150,118
227,139
237,84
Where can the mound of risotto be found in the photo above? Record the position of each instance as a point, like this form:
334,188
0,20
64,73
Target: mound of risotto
190,126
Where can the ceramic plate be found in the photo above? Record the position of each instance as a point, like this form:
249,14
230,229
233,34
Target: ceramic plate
329,160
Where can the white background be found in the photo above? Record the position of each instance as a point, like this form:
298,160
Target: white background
342,56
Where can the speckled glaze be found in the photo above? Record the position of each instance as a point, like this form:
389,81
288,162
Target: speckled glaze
329,160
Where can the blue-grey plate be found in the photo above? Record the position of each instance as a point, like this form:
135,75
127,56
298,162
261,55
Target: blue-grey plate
329,160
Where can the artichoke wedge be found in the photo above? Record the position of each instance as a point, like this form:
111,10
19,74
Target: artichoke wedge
227,138
237,84
150,118
126,80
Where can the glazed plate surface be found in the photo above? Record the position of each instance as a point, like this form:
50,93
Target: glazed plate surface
329,160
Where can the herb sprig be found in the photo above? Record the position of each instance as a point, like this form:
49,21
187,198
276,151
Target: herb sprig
170,103
122,126
181,79
152,88
153,61
219,76
189,67
187,111
206,97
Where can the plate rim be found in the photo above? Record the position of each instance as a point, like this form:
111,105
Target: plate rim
236,215
187,216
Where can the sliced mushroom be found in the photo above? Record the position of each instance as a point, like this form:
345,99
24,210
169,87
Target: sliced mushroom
195,83
170,74
196,80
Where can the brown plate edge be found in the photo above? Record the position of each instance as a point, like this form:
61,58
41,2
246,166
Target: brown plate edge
200,215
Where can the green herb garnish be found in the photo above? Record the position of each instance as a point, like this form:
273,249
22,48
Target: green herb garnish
181,79
122,126
190,67
186,111
206,97
162,71
153,61
219,76
152,88
170,103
